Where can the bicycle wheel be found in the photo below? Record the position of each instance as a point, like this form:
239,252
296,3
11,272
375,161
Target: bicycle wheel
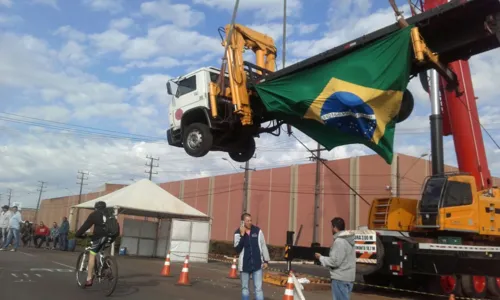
81,269
110,273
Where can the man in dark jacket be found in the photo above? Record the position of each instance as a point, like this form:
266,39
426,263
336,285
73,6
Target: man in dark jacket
99,237
251,246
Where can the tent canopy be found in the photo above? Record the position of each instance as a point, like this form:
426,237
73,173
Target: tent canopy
147,199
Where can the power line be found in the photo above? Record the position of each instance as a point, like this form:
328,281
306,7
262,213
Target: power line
150,165
335,173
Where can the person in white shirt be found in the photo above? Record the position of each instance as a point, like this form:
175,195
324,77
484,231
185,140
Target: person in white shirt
5,215
14,226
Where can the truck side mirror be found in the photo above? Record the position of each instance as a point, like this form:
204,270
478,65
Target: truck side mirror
169,88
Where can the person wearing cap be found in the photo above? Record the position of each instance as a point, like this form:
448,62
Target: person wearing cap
5,215
14,226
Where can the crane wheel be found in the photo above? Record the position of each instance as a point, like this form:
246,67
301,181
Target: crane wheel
445,285
197,139
493,286
407,105
245,151
474,286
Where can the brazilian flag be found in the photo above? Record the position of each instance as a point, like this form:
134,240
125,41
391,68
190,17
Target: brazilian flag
352,100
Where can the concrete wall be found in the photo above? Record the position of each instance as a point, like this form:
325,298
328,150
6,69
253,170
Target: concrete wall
282,199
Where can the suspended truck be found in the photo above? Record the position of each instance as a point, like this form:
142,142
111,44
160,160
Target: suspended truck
448,241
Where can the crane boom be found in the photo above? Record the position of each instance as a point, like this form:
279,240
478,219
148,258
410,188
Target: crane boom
461,114
265,51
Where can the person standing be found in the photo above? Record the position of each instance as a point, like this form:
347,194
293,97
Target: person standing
14,226
251,246
341,260
4,222
63,234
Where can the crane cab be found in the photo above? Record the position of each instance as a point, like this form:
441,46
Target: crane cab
452,203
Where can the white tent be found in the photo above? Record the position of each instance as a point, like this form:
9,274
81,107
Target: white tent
184,230
145,198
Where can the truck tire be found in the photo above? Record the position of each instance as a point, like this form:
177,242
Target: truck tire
197,139
249,151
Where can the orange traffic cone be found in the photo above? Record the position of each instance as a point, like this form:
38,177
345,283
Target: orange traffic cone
184,277
289,288
165,272
232,272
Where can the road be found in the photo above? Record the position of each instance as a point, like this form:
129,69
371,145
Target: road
44,274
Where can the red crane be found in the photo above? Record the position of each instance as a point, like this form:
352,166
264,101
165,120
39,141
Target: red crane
461,119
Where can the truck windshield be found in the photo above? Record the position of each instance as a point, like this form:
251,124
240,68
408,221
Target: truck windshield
432,193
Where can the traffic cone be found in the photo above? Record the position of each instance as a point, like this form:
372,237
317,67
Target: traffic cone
289,288
165,272
184,277
232,271
452,297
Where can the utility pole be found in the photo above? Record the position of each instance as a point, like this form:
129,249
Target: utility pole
10,196
317,191
245,186
42,183
81,176
150,165
398,178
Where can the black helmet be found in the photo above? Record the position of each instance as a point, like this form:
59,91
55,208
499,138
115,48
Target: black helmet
99,205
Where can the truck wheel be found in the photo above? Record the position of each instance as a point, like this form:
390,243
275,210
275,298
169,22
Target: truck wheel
474,286
197,139
248,152
493,286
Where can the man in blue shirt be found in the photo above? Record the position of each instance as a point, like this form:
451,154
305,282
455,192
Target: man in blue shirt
251,246
14,226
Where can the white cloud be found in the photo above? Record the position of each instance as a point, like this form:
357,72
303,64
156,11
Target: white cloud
263,9
112,6
9,20
181,15
7,3
73,53
307,28
121,24
70,33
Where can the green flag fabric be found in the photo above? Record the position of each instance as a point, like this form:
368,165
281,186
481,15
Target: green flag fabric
352,100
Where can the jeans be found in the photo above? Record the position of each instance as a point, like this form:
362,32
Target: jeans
4,235
63,241
341,290
13,234
257,282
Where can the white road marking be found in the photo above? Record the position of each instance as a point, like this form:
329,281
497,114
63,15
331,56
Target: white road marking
26,275
13,275
29,254
38,275
61,264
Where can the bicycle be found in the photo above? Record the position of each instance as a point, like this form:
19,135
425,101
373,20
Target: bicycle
105,268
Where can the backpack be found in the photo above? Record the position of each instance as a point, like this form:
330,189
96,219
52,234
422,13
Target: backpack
111,226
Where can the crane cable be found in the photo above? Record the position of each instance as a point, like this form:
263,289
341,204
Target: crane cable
331,170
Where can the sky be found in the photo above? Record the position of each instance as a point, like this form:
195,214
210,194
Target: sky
82,86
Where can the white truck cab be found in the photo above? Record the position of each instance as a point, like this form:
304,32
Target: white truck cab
191,124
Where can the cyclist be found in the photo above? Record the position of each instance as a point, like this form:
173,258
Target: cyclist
99,238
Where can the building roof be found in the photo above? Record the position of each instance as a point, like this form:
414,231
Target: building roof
145,198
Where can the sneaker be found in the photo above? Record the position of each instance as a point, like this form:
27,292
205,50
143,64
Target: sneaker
13,250
2,249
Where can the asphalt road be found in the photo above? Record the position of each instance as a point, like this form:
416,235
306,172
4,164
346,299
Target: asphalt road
44,274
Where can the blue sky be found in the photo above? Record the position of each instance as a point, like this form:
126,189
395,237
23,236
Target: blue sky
104,64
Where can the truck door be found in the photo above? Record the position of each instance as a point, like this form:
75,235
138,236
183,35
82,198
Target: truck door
458,209
188,96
